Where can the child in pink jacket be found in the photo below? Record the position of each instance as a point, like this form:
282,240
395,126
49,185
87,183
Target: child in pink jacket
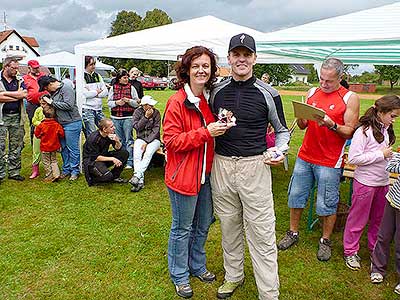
370,151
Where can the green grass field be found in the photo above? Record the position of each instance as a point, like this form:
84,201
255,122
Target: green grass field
68,241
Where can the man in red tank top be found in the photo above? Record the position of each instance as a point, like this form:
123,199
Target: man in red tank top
319,160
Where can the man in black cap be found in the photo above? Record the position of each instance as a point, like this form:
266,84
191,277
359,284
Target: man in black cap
241,176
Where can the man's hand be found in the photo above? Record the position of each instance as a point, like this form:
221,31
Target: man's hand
113,137
116,162
302,123
274,161
143,148
325,121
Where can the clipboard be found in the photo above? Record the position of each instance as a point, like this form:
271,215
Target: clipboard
306,111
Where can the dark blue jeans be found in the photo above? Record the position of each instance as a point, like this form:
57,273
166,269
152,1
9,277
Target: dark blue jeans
191,219
70,151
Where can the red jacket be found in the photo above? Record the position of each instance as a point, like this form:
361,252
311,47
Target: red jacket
32,87
185,135
49,131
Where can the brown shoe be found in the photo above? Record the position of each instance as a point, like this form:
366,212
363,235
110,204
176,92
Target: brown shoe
63,176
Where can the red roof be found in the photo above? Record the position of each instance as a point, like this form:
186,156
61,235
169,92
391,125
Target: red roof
30,41
4,34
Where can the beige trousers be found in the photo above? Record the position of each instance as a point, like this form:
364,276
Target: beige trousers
50,165
242,195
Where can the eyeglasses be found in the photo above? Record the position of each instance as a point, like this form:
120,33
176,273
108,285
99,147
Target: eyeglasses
14,68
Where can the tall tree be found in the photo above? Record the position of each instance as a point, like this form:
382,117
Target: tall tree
126,21
154,18
313,76
391,73
366,77
130,21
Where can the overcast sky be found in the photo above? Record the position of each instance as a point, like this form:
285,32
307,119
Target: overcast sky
60,25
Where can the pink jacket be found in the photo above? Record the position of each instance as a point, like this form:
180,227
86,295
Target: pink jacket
365,152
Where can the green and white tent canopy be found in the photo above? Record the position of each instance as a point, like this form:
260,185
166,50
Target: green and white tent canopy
368,36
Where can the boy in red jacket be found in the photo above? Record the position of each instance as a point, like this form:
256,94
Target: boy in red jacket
49,131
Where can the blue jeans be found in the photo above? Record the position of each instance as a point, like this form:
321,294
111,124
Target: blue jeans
191,219
123,128
70,148
91,119
302,181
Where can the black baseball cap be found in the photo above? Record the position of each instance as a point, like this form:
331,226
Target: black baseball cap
242,40
44,81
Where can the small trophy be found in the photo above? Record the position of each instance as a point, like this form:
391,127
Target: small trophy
225,116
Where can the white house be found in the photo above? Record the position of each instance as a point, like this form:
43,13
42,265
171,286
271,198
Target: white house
300,73
13,44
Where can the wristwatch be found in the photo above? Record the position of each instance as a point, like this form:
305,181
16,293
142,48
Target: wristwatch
333,127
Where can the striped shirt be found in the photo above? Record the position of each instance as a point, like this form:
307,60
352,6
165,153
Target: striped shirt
394,192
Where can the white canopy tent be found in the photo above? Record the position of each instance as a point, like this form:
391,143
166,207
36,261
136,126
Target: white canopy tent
63,59
168,41
368,36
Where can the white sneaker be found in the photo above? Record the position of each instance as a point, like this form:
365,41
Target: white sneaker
376,278
397,289
353,262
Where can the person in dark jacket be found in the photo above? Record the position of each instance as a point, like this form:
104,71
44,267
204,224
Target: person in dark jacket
97,159
146,121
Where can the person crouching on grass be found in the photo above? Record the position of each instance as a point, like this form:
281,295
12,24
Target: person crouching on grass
49,131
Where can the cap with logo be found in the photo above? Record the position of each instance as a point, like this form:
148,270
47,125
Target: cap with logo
242,40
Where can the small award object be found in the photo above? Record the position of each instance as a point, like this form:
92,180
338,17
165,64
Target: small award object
274,152
226,116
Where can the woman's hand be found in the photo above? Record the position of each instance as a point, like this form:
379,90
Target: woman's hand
120,102
217,128
149,112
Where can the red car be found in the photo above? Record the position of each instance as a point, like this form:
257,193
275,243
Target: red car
147,82
160,83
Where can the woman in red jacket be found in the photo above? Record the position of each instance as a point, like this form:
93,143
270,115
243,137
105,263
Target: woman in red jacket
189,129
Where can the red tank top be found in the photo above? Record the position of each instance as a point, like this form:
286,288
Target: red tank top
322,146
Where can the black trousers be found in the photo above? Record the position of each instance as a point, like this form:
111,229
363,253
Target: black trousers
101,171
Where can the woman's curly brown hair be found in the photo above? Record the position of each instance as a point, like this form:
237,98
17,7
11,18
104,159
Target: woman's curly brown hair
182,67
